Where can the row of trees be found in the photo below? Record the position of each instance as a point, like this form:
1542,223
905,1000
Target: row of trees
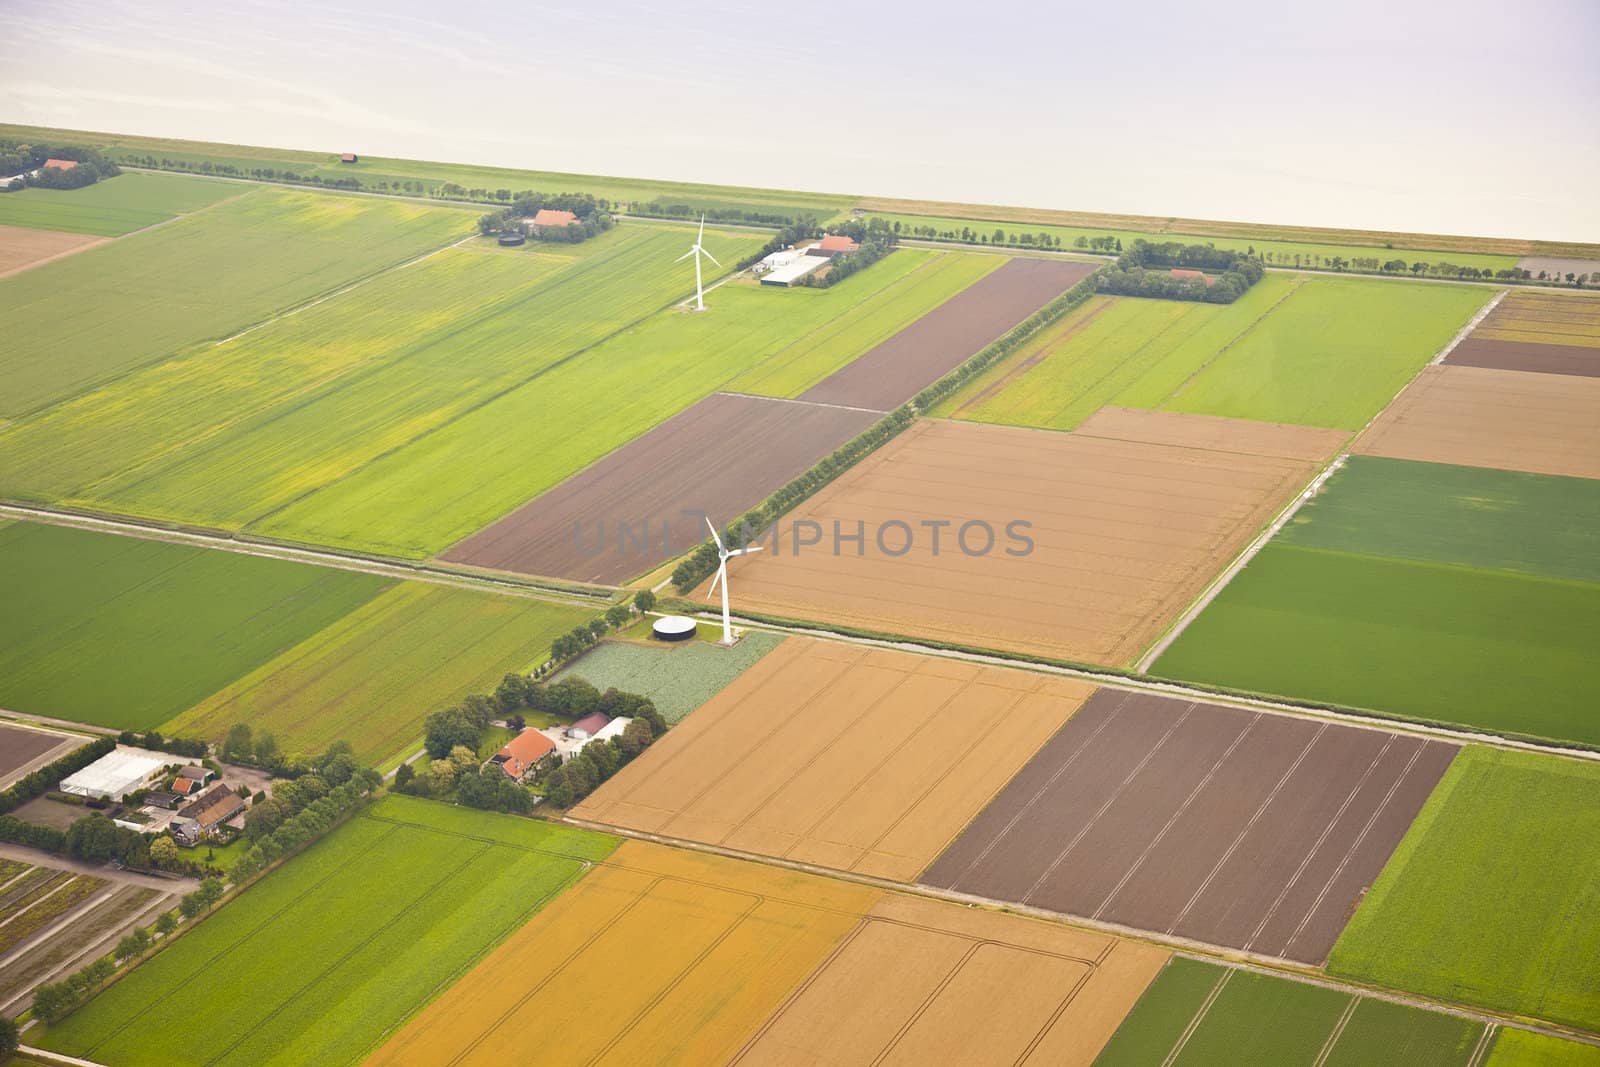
677,210
248,748
193,747
95,838
54,1001
35,783
968,235
305,824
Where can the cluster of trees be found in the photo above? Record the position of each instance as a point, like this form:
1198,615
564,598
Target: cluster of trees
876,238
805,228
567,783
95,838
576,640
593,218
19,158
305,824
700,563
1133,275
54,1001
35,783
247,748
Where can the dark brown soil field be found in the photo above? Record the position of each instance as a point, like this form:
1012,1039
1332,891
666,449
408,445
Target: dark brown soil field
22,750
946,337
722,456
1526,355
1258,832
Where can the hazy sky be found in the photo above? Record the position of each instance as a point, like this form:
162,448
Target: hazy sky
1433,115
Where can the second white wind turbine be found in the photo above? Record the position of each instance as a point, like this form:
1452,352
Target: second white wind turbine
723,556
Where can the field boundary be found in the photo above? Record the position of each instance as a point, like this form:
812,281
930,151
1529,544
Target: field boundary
1465,331
573,595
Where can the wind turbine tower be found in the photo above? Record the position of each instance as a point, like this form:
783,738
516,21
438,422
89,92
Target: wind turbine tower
697,250
723,556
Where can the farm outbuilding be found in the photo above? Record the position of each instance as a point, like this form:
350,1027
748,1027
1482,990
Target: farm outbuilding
59,164
512,238
588,726
787,276
833,244
547,217
349,157
113,776
210,810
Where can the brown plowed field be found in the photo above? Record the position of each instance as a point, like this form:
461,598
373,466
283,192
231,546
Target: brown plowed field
722,456
1258,832
1526,356
662,956
852,758
21,247
22,750
1126,533
949,335
1508,420
1272,439
968,987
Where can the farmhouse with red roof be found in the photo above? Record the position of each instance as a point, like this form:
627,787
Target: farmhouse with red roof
547,217
522,752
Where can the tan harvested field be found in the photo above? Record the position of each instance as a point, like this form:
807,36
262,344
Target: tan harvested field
1544,318
21,247
689,956
1504,419
969,987
1215,228
852,758
1131,516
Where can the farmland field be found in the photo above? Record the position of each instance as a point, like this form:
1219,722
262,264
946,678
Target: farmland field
647,503
371,677
1519,1048
1484,417
1535,524
708,960
1131,515
267,458
1275,253
1221,824
24,746
1492,898
677,678
322,958
1310,351
1200,1014
82,320
23,249
860,760
468,474
1455,594
914,358
1536,331
112,207
125,632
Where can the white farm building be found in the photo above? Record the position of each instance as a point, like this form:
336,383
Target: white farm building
793,272
119,772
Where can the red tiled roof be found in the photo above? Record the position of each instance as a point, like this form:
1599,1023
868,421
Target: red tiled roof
591,723
1177,272
348,157
838,242
547,217
523,751
184,785
61,164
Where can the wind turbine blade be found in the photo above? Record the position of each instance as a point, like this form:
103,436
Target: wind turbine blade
745,551
686,255
711,257
711,592
701,239
714,536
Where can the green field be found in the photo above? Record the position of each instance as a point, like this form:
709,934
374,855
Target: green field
1275,253
1536,524
1256,1019
1519,1048
1451,644
371,677
324,957
1312,351
112,207
447,484
677,678
372,170
79,321
126,632
1447,593
1492,897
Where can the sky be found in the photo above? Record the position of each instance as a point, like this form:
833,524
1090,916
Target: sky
1440,116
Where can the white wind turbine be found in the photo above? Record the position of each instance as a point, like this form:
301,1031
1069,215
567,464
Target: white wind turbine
698,250
723,556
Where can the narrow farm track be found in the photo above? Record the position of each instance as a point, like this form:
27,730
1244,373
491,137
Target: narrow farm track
1271,966
418,571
